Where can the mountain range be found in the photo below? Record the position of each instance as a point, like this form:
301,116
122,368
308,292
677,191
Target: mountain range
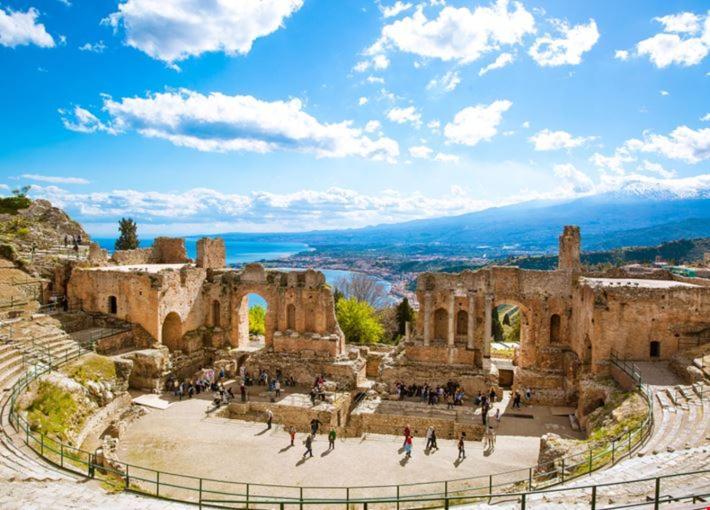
632,217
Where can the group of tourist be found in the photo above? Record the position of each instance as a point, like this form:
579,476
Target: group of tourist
308,441
517,398
75,241
431,443
208,380
451,393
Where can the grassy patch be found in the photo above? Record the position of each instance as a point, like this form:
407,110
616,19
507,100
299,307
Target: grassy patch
10,205
91,367
52,410
503,353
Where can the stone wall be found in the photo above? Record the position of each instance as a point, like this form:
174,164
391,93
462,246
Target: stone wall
131,257
169,250
211,253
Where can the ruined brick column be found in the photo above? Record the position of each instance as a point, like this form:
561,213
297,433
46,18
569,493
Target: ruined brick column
487,333
471,320
451,330
427,317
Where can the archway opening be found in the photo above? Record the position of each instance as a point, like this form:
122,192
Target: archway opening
506,324
291,317
112,305
441,324
461,323
172,331
253,321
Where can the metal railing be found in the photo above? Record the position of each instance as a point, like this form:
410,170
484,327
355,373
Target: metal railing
214,492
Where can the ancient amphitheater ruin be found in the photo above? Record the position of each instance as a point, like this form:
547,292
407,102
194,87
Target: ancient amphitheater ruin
618,352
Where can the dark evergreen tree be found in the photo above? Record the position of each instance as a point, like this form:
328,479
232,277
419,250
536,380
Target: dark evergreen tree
404,314
128,240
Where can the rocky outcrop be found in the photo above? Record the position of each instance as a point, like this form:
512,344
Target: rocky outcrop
150,369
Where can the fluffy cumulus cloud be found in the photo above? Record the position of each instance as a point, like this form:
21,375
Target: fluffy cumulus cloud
222,123
19,28
547,140
684,144
575,179
459,34
476,123
503,60
176,30
405,115
568,47
685,40
424,152
97,47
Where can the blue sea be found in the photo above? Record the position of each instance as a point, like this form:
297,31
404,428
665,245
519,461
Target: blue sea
243,252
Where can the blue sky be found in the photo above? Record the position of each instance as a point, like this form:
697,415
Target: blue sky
202,116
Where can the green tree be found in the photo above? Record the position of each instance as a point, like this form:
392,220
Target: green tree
497,328
128,240
337,295
21,192
358,321
257,320
405,313
512,333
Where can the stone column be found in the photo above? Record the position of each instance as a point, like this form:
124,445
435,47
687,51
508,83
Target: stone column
487,332
471,320
452,319
426,310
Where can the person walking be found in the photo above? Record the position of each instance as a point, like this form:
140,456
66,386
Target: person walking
407,434
408,444
243,392
429,432
331,439
269,418
292,434
277,388
434,446
309,446
516,399
462,447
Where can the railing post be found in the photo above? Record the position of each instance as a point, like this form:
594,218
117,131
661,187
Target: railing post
657,497
301,498
562,471
629,441
61,455
157,484
248,487
490,484
200,494
529,479
613,451
128,477
590,461
522,503
347,494
446,489
397,497
594,497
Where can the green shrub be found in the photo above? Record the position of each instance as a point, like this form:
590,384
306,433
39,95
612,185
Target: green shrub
52,410
91,367
257,320
11,205
358,321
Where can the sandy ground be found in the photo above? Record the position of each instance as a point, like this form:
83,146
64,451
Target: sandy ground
183,439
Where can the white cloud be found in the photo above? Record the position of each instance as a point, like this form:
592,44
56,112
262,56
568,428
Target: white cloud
476,123
222,123
362,101
373,126
446,83
503,60
568,49
176,30
421,152
657,168
684,22
680,42
378,63
621,55
395,9
404,115
682,144
375,79
54,179
706,117
434,125
459,34
98,47
664,93
82,121
526,124
204,211
21,28
576,180
547,140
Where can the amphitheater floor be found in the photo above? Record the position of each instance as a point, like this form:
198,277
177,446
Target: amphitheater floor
182,439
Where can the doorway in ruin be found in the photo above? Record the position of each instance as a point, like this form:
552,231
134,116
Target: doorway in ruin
655,349
506,323
216,314
112,305
441,324
171,333
254,320
555,328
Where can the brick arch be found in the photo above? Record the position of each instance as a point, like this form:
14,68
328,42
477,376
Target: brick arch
242,312
171,332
